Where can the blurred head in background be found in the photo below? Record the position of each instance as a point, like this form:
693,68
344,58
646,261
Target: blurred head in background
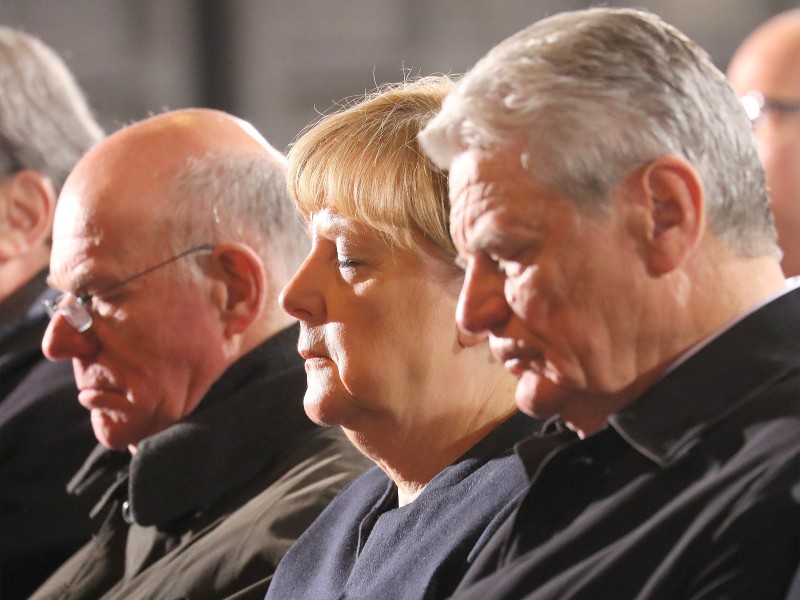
765,72
46,125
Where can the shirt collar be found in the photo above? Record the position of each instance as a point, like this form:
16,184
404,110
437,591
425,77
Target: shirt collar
250,414
714,379
791,284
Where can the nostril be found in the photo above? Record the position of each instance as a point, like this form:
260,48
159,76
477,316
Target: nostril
61,341
48,341
300,301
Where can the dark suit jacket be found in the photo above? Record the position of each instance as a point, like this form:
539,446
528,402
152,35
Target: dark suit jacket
366,546
44,437
693,491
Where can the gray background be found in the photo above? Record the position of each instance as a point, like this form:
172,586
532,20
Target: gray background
278,63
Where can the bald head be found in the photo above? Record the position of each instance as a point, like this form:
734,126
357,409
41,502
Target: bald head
152,150
183,178
177,234
768,62
769,58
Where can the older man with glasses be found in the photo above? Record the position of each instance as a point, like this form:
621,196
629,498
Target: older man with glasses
171,242
765,71
45,127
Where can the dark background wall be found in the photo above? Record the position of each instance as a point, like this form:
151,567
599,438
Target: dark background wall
278,63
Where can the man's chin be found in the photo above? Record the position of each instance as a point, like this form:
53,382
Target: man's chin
539,397
110,432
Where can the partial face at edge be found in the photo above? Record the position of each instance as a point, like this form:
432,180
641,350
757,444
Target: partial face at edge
769,63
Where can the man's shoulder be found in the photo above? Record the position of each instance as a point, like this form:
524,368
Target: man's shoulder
241,546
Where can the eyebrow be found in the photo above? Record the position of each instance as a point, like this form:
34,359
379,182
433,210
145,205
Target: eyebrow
80,282
336,224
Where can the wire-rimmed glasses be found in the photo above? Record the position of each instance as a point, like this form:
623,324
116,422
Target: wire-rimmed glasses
76,309
756,105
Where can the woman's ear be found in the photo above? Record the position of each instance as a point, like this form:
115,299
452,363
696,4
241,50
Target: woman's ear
27,204
675,202
244,285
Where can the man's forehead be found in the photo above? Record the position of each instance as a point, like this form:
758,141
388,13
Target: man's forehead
480,179
71,213
486,169
72,261
91,242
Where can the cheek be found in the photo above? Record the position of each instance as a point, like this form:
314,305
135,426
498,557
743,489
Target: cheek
533,296
393,342
363,357
779,152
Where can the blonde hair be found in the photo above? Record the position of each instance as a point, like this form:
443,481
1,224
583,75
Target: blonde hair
364,161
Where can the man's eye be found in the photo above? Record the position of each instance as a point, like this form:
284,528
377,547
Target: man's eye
500,264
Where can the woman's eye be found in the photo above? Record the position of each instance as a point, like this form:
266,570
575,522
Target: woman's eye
346,262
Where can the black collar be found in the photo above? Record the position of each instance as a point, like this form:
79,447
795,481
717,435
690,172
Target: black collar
248,417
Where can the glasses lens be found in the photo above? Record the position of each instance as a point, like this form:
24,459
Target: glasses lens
73,311
752,103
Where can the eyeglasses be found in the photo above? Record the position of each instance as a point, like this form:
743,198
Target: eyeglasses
756,105
75,309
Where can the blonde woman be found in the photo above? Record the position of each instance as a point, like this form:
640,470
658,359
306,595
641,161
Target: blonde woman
376,300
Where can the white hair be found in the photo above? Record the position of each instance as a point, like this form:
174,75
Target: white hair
224,196
45,122
588,96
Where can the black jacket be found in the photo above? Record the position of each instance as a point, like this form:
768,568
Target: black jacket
693,491
365,546
44,437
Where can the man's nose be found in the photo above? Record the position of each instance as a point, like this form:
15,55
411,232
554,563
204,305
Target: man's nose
482,305
62,341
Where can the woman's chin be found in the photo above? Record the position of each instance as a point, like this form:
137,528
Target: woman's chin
326,411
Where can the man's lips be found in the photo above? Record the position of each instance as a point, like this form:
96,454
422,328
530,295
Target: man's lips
517,367
518,363
102,399
517,357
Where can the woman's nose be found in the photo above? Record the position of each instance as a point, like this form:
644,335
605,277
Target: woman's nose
302,296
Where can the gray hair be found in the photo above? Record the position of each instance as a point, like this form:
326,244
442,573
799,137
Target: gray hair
225,196
45,121
591,95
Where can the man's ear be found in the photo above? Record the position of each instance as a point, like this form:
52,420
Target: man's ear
244,285
675,203
27,204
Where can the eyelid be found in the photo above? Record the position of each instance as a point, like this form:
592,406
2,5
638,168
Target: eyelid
344,260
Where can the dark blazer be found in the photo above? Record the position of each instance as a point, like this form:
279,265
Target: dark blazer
693,491
207,507
45,435
365,546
